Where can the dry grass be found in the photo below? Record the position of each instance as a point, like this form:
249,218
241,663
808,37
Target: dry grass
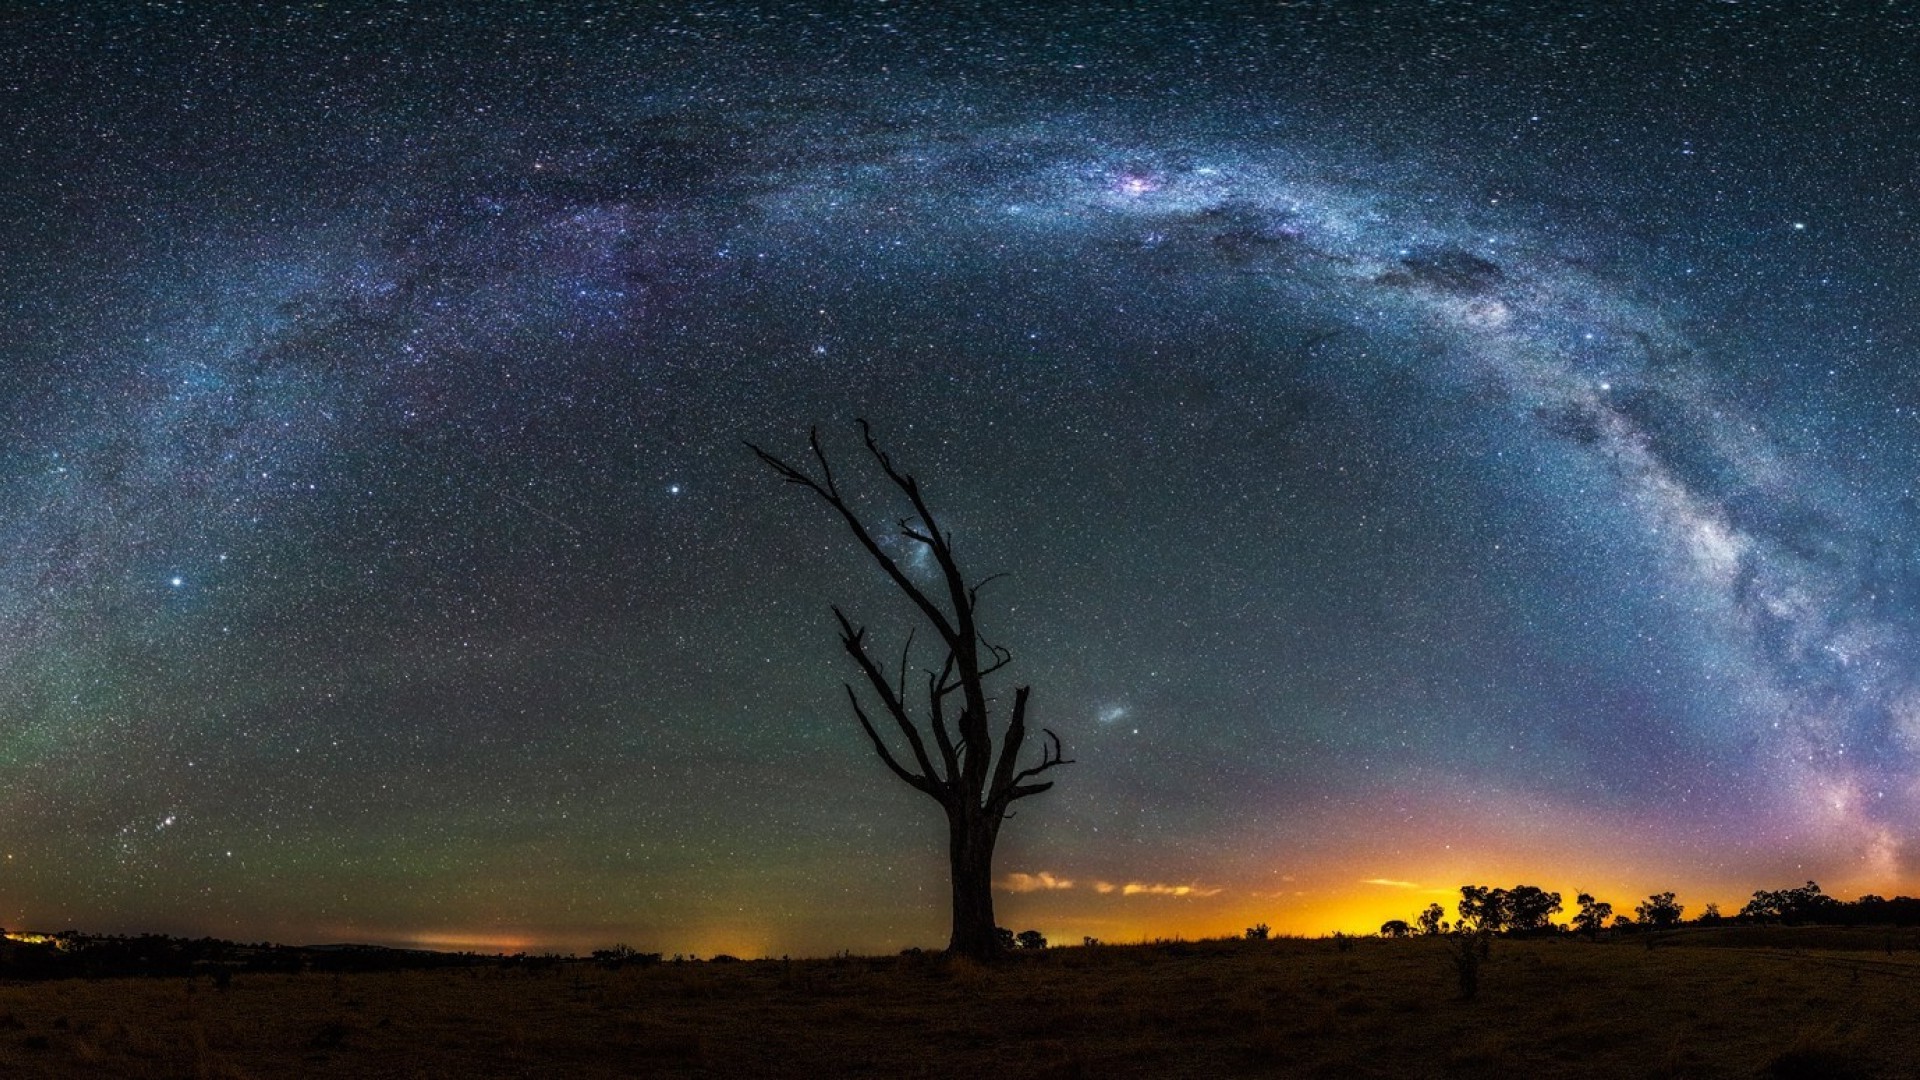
1286,1008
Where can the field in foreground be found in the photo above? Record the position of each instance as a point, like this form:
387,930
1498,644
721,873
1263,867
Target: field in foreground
1826,1003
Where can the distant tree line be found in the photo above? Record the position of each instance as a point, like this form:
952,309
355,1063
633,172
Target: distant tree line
1528,909
70,954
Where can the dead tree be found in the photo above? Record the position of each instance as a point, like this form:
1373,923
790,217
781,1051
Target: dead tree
959,770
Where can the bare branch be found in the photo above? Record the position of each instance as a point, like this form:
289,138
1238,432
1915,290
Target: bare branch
1050,758
1012,788
973,594
820,455
880,746
942,738
829,492
946,670
854,640
787,472
1024,791
940,542
906,650
1003,777
1001,658
959,632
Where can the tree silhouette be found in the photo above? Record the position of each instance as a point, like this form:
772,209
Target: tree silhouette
1432,921
1804,904
1659,912
1593,915
960,770
1483,910
1530,907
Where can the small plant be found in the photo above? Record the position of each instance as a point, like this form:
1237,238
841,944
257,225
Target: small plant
1091,941
1342,942
618,956
1259,932
1466,952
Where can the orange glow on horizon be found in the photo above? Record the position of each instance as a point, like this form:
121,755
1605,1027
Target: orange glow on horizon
458,941
1359,901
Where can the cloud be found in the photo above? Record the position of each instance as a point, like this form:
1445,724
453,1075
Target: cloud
1390,883
1141,888
1040,882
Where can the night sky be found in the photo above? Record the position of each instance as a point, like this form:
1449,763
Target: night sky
1427,443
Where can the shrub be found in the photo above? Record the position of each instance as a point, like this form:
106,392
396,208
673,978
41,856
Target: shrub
1466,951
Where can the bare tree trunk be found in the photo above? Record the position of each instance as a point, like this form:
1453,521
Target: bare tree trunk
971,837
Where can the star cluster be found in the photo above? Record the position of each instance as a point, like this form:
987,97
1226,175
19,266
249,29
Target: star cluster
1428,443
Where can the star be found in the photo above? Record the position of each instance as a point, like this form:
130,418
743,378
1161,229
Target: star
1239,353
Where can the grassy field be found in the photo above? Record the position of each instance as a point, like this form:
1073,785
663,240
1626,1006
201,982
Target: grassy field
1820,1003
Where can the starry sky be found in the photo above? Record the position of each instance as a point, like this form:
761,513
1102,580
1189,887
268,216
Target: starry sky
1427,443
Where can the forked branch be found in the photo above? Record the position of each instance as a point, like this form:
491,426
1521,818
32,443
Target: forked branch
967,770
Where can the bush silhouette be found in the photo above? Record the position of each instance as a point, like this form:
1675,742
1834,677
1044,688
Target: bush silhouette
1466,951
